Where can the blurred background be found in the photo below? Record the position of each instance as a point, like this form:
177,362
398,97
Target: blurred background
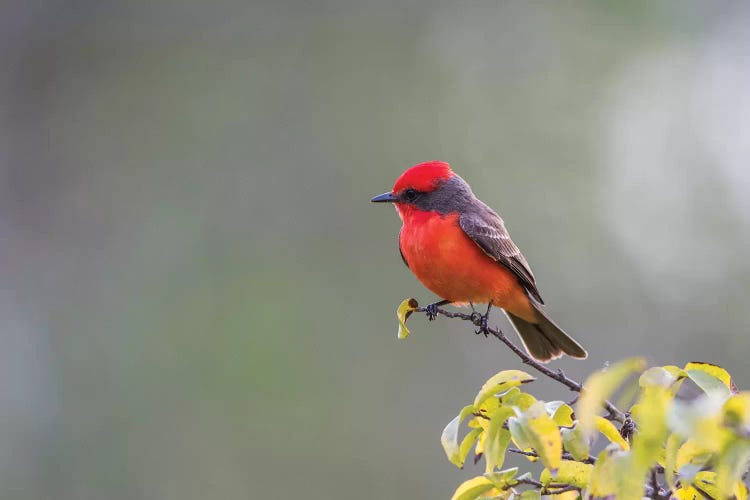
196,298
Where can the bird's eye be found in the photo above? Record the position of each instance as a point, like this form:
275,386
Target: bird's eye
411,194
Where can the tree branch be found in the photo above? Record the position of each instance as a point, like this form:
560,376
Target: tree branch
480,321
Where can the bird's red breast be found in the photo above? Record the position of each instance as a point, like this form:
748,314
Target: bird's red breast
454,267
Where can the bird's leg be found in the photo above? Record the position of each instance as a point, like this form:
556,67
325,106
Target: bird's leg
485,320
480,320
432,309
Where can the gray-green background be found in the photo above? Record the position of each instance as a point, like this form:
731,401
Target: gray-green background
196,298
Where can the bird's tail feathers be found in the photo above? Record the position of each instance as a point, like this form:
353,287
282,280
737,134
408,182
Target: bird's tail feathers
544,340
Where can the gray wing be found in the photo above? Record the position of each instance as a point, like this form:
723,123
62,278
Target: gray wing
487,230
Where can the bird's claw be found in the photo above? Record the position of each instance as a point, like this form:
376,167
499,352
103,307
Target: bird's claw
476,318
480,320
432,311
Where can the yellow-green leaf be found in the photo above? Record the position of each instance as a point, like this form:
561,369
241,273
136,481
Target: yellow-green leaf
687,492
706,481
518,432
676,371
647,446
737,413
530,495
715,371
567,495
403,312
599,386
466,445
733,462
610,432
488,406
560,412
575,442
603,482
449,437
708,383
516,397
471,489
691,453
740,490
501,382
504,478
657,375
570,472
701,421
670,460
543,435
497,439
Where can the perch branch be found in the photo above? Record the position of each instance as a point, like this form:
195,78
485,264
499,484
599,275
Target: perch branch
480,321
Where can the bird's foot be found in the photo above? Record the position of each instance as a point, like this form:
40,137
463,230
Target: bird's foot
432,309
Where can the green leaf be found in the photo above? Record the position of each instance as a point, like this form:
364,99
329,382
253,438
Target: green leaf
471,489
575,442
516,397
570,472
610,432
599,387
501,382
403,312
497,439
449,437
504,478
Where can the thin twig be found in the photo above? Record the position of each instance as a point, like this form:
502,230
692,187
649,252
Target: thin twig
559,376
550,489
565,455
657,492
557,491
654,486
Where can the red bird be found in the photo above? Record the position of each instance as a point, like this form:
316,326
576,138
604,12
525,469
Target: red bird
458,247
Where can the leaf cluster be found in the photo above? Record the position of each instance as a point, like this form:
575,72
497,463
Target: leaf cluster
686,435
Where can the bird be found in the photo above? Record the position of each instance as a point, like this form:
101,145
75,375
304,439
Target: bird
459,248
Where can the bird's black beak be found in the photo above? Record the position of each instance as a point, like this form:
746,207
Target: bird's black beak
384,198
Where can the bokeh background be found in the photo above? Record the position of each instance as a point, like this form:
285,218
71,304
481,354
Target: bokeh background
196,298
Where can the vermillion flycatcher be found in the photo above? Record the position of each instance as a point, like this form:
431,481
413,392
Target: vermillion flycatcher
458,247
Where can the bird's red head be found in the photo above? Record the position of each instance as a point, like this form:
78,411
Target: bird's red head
427,188
424,177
